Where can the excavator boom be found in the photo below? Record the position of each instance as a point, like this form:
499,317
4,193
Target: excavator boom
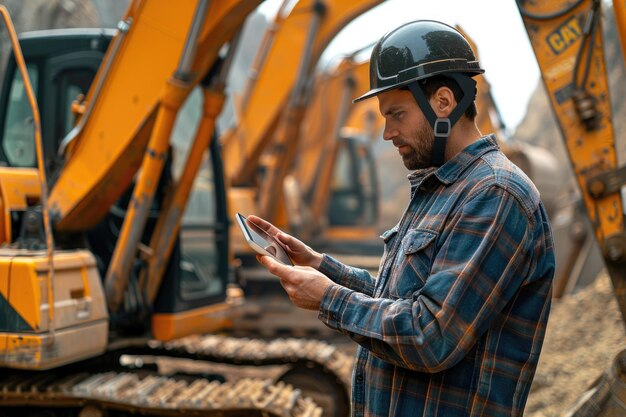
105,154
568,43
277,79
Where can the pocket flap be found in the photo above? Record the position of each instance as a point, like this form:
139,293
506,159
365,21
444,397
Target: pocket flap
389,234
416,240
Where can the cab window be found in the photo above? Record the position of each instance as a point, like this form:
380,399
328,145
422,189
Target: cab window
19,127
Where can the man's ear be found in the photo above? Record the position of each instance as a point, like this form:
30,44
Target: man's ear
443,102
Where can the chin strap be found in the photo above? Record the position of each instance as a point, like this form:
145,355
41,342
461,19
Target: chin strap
443,126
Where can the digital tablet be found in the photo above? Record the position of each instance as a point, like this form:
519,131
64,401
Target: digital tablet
262,242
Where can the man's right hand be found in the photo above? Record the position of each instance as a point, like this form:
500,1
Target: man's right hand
299,253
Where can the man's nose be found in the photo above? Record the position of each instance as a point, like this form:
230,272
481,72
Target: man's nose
389,132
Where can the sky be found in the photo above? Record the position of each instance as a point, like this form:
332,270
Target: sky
495,26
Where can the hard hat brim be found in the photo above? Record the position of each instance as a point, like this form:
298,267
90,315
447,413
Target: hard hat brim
376,91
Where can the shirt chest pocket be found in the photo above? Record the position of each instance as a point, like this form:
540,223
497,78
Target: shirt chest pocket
414,261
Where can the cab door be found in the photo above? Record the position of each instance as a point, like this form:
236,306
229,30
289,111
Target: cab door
66,77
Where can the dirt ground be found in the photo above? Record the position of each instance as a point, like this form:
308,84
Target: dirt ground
585,331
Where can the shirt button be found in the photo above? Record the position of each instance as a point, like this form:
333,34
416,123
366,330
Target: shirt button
359,378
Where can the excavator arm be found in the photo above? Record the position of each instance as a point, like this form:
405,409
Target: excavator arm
106,150
273,108
567,40
284,64
132,105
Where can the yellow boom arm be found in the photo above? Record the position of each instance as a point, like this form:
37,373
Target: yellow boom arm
567,40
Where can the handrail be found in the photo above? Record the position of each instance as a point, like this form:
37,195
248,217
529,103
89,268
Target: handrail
32,101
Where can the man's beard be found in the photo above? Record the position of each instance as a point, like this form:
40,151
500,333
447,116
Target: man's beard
421,147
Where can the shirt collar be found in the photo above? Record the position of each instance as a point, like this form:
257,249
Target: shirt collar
450,171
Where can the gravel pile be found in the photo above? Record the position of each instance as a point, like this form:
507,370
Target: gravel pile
585,331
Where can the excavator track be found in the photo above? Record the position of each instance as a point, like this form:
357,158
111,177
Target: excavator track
321,370
246,351
104,386
132,393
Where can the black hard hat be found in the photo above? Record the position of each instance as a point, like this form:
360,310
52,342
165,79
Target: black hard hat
417,50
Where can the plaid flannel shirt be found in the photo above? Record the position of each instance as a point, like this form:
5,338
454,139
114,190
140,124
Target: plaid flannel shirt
454,323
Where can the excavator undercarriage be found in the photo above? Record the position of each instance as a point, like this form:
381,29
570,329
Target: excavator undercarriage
196,375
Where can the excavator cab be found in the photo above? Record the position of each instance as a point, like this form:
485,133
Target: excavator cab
352,210
353,194
62,65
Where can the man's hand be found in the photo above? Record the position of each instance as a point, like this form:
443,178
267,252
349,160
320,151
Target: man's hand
305,286
299,253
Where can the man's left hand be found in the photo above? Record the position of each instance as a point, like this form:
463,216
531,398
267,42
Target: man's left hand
304,285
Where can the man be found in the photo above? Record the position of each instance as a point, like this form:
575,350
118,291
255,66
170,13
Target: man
454,323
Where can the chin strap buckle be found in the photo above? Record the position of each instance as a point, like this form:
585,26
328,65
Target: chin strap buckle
442,127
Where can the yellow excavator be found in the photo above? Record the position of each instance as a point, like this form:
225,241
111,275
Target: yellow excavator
262,147
567,39
102,266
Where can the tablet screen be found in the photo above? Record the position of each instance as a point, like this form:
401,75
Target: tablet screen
260,239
